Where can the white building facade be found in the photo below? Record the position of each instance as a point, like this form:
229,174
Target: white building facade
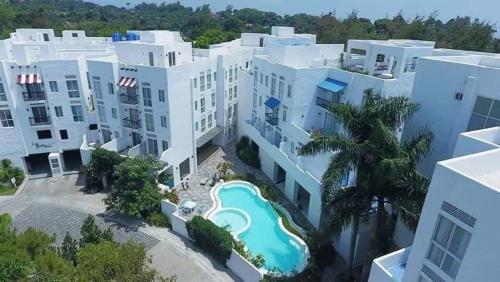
456,235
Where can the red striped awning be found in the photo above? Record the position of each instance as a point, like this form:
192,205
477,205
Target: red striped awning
127,82
29,78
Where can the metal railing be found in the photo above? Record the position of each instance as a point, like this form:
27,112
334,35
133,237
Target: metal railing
34,121
33,96
129,99
272,118
132,123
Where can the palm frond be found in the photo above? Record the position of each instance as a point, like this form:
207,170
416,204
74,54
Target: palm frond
420,145
328,143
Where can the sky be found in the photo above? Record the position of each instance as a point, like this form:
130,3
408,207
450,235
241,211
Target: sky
372,9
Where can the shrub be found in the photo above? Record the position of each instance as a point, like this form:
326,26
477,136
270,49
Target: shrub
172,196
8,171
211,238
246,153
158,219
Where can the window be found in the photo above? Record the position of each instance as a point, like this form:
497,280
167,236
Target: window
117,134
59,111
64,134
254,99
152,147
284,115
111,88
289,91
151,59
235,91
102,113
230,94
203,125
195,82
97,87
150,125
164,145
209,79
44,134
261,78
3,96
230,74
171,58
77,112
448,246
273,84
163,121
235,73
6,118
46,37
202,81
267,80
486,114
380,58
281,87
146,94
114,113
73,91
260,101
215,76
255,78
229,111
53,86
161,95
235,110
212,98
202,105
196,126
195,105
209,120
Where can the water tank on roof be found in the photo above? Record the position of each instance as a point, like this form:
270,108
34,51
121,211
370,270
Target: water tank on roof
116,37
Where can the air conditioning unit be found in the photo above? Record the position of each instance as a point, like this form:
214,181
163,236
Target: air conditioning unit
459,96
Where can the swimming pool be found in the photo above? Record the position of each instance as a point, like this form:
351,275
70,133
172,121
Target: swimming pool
253,220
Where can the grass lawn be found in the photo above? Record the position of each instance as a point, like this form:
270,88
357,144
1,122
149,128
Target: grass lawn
7,191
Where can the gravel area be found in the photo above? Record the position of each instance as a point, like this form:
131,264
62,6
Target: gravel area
58,221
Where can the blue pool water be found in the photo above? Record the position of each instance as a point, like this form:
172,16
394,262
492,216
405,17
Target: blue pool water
264,235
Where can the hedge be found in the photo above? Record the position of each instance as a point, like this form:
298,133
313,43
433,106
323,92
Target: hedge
211,238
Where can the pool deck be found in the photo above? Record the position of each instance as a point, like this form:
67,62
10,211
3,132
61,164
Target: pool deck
201,193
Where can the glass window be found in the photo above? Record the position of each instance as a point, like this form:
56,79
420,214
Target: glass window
495,110
486,114
209,80
273,85
152,147
482,106
114,113
163,121
77,112
102,113
289,91
281,88
235,91
53,86
203,125
3,96
195,82
6,118
202,105
146,94
150,125
64,134
209,120
254,100
111,88
59,111
202,82
255,78
97,87
443,231
212,97
73,91
459,242
164,145
161,95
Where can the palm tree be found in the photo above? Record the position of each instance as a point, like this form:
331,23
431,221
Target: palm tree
387,182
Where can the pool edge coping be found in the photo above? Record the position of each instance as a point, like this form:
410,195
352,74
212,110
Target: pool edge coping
218,205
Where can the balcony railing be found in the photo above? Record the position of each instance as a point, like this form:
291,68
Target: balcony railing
34,121
132,123
129,99
34,96
324,103
272,118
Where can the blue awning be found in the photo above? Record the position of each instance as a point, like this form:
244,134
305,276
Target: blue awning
272,103
332,85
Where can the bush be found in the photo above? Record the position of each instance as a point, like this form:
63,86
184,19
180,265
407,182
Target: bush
172,196
246,153
211,238
8,171
158,219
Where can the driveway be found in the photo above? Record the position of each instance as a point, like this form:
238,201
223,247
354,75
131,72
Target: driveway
57,205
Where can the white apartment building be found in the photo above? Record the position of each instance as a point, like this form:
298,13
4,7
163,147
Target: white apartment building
456,235
157,95
45,106
457,91
290,85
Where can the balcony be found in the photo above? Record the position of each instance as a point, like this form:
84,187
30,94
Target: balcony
33,96
272,118
35,121
389,268
323,103
132,123
129,99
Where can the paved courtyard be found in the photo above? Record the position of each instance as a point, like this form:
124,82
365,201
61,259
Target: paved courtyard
201,193
57,205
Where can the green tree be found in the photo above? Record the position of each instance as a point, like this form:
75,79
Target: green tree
69,249
385,168
91,234
101,169
134,192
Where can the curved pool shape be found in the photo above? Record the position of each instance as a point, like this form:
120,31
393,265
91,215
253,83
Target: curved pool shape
265,234
237,220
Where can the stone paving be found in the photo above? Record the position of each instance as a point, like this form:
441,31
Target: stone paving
201,193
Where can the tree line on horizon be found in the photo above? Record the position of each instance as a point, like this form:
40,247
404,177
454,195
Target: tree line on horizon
203,26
